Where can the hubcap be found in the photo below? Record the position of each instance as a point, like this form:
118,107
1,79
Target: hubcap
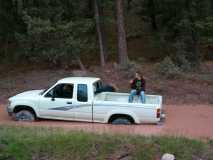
24,116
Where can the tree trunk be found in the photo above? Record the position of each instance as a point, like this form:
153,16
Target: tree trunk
5,48
129,5
80,63
99,17
90,7
121,34
152,8
153,20
19,6
195,48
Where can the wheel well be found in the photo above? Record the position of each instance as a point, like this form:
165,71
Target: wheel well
19,108
115,116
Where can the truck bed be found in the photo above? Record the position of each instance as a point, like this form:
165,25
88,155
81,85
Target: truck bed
123,98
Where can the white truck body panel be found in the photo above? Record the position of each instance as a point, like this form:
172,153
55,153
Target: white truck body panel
117,103
98,107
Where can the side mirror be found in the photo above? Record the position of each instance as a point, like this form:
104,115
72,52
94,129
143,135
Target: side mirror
53,99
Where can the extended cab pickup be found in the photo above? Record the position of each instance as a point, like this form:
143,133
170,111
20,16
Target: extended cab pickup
78,99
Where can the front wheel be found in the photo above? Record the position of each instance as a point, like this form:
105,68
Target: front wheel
25,115
121,120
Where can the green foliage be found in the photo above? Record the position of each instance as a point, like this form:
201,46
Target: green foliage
53,31
23,143
10,21
182,63
56,41
57,30
185,21
182,58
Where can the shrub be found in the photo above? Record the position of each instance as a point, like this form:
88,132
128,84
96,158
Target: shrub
182,63
183,58
167,68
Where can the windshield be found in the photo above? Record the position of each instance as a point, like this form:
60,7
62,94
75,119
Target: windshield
42,92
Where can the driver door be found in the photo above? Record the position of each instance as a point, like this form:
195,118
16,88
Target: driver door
58,103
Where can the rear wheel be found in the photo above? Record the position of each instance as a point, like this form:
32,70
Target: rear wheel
122,120
25,115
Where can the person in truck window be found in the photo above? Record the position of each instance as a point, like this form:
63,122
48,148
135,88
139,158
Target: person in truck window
67,91
107,88
137,87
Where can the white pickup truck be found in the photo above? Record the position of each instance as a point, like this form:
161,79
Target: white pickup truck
78,99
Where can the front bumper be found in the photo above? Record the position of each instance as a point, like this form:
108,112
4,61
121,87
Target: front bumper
9,111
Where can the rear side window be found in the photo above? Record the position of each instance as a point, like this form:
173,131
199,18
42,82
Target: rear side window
82,95
97,87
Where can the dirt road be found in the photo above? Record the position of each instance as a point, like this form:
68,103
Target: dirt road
190,121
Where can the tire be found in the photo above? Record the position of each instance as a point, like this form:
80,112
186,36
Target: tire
25,115
121,120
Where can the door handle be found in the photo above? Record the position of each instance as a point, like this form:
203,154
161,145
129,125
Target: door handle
69,102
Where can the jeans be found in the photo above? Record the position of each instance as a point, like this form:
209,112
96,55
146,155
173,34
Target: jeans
134,93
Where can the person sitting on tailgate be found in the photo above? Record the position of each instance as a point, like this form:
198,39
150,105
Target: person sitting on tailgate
137,87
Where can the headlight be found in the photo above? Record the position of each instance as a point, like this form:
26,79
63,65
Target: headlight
8,103
9,109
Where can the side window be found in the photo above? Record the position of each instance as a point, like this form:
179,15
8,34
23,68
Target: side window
82,93
95,88
61,91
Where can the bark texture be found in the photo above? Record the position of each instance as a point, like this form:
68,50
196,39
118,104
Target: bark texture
99,17
121,34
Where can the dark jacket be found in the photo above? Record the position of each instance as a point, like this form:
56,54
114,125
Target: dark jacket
138,84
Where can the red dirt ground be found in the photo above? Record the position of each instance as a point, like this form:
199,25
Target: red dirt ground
188,121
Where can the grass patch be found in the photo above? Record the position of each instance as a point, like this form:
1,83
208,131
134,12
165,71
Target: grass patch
23,143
